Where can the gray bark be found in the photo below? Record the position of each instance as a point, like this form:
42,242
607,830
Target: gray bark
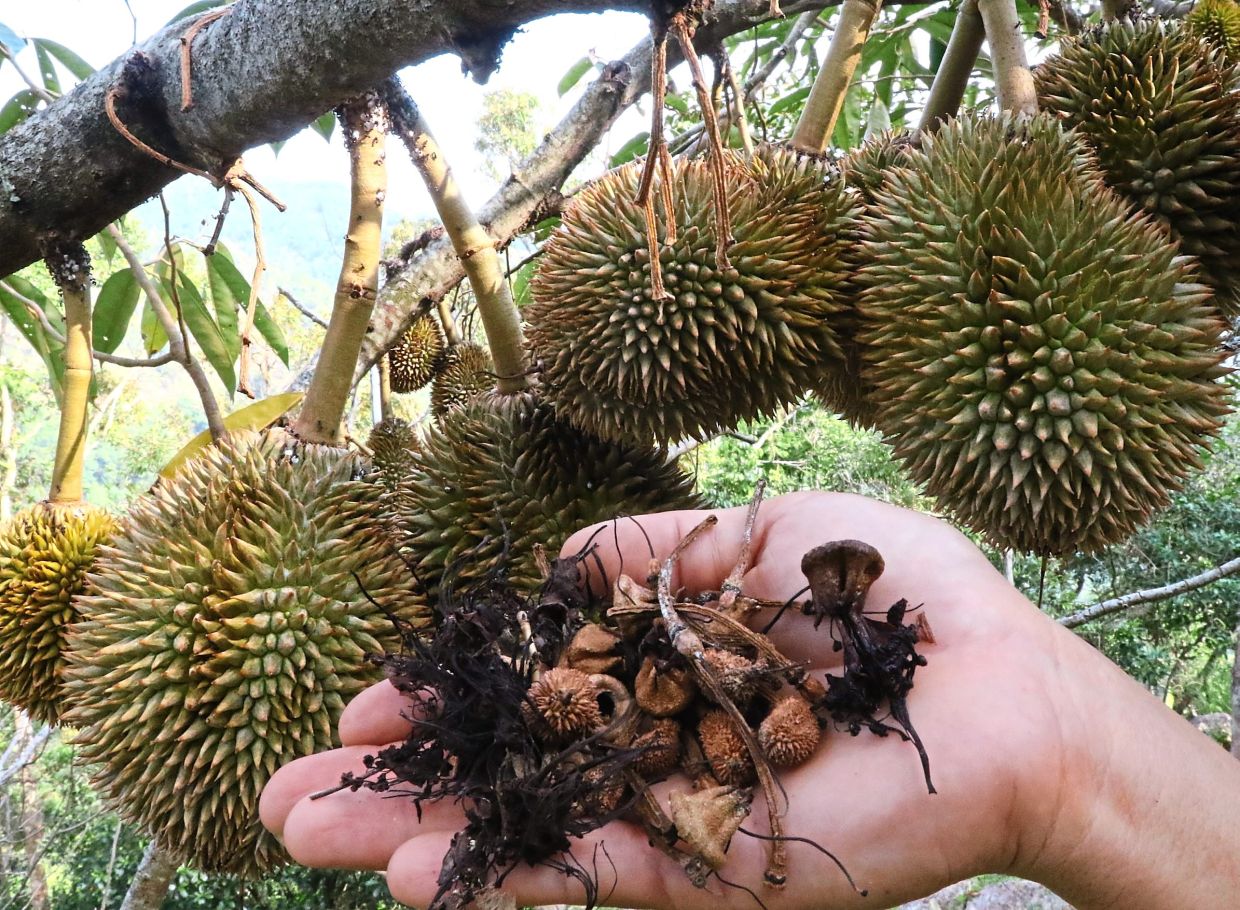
259,74
1140,598
150,883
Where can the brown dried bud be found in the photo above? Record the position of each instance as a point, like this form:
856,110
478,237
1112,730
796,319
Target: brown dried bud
663,692
706,820
563,704
660,746
592,650
790,733
725,749
734,672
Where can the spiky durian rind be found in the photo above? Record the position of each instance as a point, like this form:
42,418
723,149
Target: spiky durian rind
413,360
466,373
227,626
1161,110
504,473
1043,360
45,552
729,344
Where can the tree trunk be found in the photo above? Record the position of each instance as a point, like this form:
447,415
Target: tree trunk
1235,696
31,821
150,883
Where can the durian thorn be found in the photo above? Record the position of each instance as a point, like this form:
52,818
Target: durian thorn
723,223
658,89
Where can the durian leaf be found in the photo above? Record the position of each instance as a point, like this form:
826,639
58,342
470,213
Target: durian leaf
573,76
46,68
521,284
678,104
276,146
225,278
257,416
67,58
793,99
153,335
195,8
879,119
17,109
11,40
107,245
206,331
631,149
230,294
114,307
325,125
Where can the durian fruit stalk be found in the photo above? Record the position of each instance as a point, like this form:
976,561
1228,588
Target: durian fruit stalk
45,550
1042,360
1161,110
234,614
1006,38
956,68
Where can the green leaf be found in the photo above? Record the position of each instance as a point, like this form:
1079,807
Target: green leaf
271,332
230,294
795,98
631,149
114,307
46,69
325,125
256,416
521,284
153,335
17,109
678,104
276,146
31,329
195,8
68,59
205,330
879,119
13,43
573,76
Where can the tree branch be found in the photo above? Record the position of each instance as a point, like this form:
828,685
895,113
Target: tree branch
1137,598
826,98
150,883
952,79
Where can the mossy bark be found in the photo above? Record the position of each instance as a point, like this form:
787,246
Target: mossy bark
365,126
826,98
952,79
70,267
500,319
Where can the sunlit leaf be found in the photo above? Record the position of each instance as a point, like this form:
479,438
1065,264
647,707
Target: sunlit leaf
325,125
46,69
67,58
573,76
206,331
195,8
631,149
114,307
256,416
17,109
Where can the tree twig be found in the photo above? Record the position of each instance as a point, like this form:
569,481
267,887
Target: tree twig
1150,595
177,343
299,307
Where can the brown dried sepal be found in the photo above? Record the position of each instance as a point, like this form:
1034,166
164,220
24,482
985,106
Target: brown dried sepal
660,748
592,650
662,690
706,820
840,574
790,733
604,797
725,749
562,704
735,674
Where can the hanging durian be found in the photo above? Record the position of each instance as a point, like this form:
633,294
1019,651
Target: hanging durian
1161,110
232,617
1217,22
414,360
465,374
1042,359
391,443
45,550
502,474
725,345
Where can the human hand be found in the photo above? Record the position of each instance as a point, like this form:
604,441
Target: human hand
1018,716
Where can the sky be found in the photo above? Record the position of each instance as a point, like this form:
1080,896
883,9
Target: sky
535,61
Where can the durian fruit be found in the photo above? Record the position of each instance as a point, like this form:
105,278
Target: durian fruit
227,626
727,345
1043,360
1161,110
413,360
1217,22
45,552
502,474
391,443
865,168
466,373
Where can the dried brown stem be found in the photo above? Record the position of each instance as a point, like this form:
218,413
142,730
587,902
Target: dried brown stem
737,108
365,124
656,150
187,53
956,67
826,98
475,247
251,310
109,107
69,264
732,584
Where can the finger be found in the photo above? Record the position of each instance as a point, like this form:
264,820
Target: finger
618,857
303,776
362,829
379,714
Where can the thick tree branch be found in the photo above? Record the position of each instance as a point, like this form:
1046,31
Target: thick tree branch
259,74
1137,598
